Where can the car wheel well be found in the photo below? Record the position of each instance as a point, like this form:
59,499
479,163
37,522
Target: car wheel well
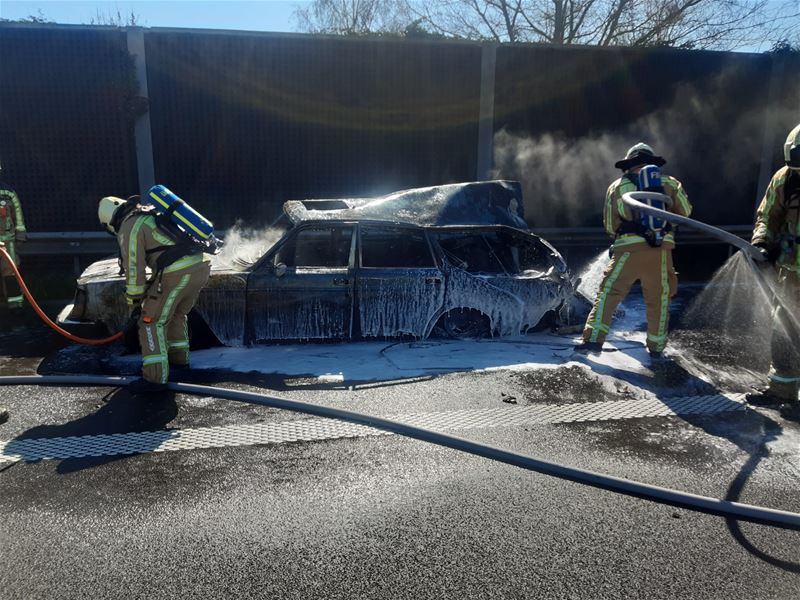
200,333
463,322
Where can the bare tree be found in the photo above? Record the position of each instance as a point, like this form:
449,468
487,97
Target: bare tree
353,17
721,24
115,19
37,18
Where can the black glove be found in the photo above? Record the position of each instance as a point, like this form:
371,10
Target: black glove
133,319
769,252
21,236
134,305
130,331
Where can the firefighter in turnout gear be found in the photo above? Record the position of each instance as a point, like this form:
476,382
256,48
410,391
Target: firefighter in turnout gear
162,302
642,250
12,233
777,235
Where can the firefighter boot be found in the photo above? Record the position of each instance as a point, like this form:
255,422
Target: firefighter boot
764,398
790,411
589,347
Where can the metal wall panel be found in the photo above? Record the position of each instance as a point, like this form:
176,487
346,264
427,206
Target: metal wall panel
242,123
66,135
568,113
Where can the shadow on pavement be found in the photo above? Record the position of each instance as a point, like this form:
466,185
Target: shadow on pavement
750,434
122,413
20,338
772,431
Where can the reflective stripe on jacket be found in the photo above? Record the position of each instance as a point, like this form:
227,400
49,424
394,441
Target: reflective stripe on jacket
138,239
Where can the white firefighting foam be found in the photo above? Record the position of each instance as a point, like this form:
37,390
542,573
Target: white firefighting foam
396,306
391,361
243,247
382,361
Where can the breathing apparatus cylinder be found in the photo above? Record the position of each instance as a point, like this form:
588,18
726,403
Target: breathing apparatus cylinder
184,216
649,180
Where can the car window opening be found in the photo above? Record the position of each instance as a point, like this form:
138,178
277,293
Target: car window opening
471,253
533,257
395,248
317,247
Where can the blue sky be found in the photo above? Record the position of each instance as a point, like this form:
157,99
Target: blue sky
257,15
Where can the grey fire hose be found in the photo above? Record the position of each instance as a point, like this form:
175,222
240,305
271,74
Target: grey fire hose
724,508
634,200
752,254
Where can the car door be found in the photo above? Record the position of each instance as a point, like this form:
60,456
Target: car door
304,290
399,286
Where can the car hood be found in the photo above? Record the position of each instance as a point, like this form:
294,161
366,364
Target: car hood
108,270
475,203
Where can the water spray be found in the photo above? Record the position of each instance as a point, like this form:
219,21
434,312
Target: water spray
636,201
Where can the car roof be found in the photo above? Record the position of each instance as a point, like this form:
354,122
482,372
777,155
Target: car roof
473,202
433,228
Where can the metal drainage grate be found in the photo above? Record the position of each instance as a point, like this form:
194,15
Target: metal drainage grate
329,429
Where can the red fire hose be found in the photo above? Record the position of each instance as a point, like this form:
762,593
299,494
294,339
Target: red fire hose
5,255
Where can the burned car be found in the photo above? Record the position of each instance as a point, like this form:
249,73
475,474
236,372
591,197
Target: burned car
455,260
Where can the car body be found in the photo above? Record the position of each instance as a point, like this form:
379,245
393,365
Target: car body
339,275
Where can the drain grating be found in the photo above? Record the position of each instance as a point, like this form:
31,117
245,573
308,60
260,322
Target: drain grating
329,429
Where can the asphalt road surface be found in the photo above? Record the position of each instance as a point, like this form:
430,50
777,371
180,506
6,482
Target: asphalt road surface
225,499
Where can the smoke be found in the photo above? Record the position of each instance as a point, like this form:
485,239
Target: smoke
244,246
561,179
711,133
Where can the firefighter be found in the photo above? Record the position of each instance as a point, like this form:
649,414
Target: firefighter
12,233
161,303
640,251
777,234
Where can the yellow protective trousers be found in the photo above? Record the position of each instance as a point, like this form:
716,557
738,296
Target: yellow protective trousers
784,373
653,268
163,330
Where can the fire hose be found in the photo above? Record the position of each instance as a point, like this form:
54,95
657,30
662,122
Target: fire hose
634,200
752,255
4,255
703,504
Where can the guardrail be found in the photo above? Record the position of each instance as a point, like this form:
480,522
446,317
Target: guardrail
68,243
595,236
84,243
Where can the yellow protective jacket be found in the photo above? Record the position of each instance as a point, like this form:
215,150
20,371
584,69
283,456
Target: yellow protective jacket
11,219
778,219
616,210
139,242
